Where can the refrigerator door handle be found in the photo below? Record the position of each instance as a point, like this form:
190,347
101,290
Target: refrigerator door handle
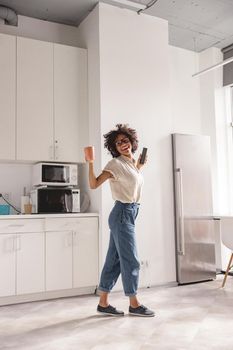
181,250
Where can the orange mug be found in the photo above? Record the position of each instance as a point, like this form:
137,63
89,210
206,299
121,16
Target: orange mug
89,153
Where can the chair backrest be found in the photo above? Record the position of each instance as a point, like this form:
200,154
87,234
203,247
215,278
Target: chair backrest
226,225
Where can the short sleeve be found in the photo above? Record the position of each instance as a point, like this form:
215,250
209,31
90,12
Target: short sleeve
113,168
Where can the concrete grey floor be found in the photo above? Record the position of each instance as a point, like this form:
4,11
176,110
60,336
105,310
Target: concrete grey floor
192,317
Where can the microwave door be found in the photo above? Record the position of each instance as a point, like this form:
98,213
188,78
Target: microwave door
56,201
68,201
58,174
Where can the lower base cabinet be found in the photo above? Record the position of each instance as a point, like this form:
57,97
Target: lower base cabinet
7,265
85,254
48,255
30,263
58,260
22,263
71,253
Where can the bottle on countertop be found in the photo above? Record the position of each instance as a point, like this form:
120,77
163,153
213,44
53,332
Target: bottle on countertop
25,199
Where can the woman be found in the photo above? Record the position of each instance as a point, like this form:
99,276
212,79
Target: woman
126,184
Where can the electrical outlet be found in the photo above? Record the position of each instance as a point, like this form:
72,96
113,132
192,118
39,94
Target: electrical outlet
144,263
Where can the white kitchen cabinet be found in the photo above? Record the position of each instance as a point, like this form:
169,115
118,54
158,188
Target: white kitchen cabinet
58,260
51,101
7,265
43,99
70,102
85,253
48,257
34,100
21,257
30,263
72,250
7,96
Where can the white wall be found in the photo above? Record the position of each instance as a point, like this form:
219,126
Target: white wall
134,89
143,81
212,115
88,36
198,106
185,91
42,30
13,179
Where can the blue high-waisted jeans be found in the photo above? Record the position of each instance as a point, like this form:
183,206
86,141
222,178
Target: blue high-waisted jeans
122,252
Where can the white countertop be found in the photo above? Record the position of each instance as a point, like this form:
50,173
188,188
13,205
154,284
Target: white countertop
42,216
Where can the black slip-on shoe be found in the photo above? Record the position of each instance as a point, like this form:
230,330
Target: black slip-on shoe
109,310
141,311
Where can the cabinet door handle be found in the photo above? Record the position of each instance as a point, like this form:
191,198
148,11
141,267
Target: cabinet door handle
75,238
16,225
68,225
10,244
56,149
51,152
18,243
181,213
69,240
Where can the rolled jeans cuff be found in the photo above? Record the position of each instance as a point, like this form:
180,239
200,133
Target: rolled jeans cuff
130,294
103,290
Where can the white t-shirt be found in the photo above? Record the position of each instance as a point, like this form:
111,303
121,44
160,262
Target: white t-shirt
126,183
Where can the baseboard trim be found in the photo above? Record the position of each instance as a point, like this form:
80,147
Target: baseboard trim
25,298
161,285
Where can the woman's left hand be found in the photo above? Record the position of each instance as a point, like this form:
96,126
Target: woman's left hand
139,165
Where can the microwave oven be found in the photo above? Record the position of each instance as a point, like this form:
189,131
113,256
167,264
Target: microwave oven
48,200
55,174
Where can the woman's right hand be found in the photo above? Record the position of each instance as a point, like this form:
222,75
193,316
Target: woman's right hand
89,154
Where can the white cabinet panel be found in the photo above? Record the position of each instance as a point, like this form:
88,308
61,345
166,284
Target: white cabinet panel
7,96
63,257
70,101
34,99
43,99
21,225
30,263
22,256
60,224
85,253
7,265
58,260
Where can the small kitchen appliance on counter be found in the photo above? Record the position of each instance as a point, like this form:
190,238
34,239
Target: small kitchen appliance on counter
55,174
55,200
55,188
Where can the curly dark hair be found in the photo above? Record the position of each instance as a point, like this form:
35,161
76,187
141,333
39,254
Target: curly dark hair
110,139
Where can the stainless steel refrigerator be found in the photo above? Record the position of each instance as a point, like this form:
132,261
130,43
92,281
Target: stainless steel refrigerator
195,235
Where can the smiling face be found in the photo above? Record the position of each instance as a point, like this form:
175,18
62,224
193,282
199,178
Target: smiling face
123,145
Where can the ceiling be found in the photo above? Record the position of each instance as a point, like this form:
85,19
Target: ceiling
193,24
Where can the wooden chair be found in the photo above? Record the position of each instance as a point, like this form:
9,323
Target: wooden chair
226,225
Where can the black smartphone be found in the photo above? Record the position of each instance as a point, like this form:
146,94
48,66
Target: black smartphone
143,156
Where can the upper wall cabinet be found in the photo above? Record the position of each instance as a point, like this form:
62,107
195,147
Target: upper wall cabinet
34,100
70,101
51,101
7,96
